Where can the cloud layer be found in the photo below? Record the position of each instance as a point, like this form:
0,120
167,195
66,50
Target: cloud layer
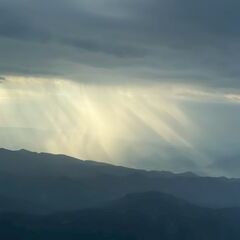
175,41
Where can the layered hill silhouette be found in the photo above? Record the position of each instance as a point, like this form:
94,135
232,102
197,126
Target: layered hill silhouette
45,183
140,216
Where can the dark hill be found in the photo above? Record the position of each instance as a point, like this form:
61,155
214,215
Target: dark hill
49,182
142,216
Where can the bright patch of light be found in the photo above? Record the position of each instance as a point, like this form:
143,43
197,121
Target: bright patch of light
91,122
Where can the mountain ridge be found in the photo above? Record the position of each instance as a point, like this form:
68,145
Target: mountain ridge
98,163
62,183
138,216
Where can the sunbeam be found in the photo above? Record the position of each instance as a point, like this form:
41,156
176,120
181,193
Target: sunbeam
114,124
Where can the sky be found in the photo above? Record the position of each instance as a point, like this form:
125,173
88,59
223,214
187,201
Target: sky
147,84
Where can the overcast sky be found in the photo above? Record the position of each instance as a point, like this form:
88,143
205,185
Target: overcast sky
151,84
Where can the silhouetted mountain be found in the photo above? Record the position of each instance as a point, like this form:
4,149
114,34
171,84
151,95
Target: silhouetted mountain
8,204
47,182
141,216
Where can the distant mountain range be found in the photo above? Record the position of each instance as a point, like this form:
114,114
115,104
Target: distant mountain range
140,216
45,196
45,183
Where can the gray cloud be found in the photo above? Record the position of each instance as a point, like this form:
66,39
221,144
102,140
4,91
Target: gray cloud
177,40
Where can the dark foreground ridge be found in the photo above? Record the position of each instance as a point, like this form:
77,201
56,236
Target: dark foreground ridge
46,183
45,196
140,216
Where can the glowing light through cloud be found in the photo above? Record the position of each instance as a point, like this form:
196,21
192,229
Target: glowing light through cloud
114,124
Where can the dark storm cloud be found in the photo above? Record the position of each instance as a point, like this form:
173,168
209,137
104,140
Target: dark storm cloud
108,48
178,40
